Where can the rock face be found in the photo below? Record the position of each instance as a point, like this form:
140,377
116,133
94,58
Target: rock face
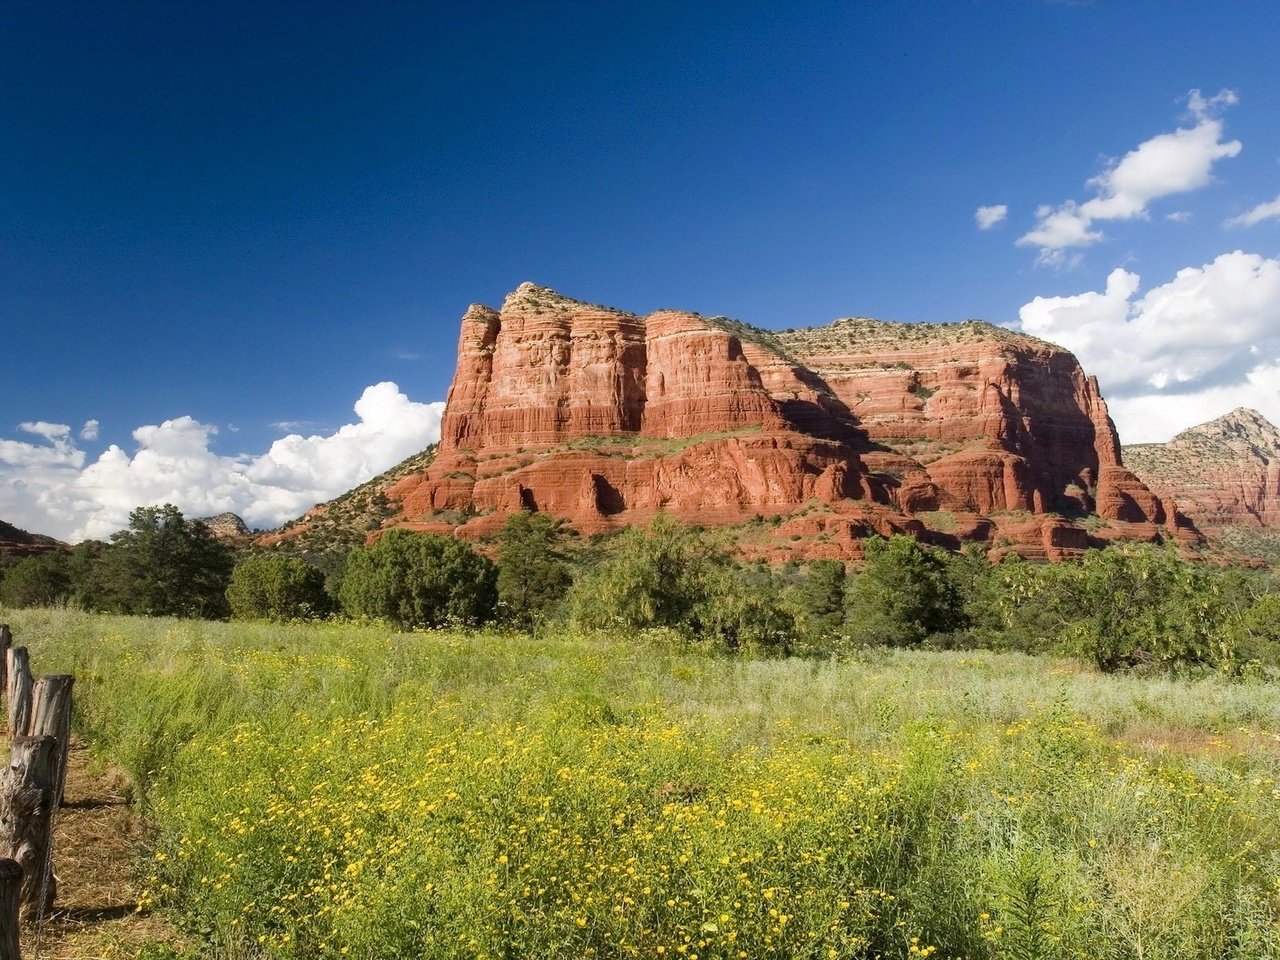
226,526
1220,475
19,543
947,431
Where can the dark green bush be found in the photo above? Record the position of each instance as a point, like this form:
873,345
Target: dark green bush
903,595
419,580
42,581
276,587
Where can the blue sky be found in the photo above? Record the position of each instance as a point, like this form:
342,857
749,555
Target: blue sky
218,219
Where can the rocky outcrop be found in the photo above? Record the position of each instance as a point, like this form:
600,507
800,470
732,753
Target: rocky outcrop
1220,475
19,543
226,526
808,439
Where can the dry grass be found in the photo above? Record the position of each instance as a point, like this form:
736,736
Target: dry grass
97,836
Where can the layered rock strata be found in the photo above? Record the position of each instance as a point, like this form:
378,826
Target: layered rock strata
809,440
1217,475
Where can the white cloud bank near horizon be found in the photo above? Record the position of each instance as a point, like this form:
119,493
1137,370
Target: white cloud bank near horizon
1184,352
45,487
1165,165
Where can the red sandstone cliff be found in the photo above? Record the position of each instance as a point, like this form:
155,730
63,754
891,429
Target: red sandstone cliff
1221,475
948,431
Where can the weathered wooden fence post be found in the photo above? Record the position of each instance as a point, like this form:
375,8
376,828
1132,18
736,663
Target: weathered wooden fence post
27,788
19,690
10,888
32,784
51,717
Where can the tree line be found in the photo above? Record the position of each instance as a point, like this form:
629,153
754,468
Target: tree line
1122,607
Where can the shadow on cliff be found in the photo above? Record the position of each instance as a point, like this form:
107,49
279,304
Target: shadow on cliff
829,418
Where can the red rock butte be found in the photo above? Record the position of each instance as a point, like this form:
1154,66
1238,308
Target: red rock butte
804,441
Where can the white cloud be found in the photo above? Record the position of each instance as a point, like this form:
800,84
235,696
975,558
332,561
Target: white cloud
1211,335
1178,216
42,428
1202,109
988,217
47,489
1263,211
90,430
1157,417
1057,230
1165,165
58,451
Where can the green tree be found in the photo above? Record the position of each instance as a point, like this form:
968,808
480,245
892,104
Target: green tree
742,610
1017,605
163,565
533,575
84,570
1134,604
819,603
1258,629
272,586
654,577
903,594
40,581
419,580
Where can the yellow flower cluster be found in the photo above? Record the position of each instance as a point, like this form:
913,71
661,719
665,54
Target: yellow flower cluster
426,833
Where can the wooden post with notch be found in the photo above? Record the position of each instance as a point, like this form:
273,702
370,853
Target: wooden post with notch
27,788
19,689
10,890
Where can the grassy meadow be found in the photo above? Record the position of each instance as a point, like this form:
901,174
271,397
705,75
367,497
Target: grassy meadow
345,791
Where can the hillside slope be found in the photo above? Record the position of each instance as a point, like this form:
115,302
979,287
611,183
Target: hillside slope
19,543
346,521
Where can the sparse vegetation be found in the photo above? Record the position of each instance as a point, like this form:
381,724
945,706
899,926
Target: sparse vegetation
333,528
863,335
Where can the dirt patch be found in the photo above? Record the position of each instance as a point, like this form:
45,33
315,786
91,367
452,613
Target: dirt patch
97,836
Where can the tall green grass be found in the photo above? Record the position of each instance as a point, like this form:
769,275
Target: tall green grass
340,790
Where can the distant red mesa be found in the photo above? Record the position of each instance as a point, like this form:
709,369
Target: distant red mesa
804,441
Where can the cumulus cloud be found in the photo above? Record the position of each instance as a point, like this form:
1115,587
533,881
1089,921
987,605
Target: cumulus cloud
1166,165
90,430
1172,356
57,451
988,217
1057,230
48,489
1263,211
1156,417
